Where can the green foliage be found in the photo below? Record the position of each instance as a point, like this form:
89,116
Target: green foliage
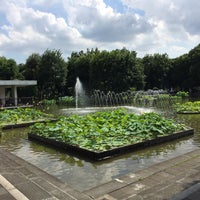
21,115
66,100
117,70
107,130
188,107
52,74
186,72
48,101
8,69
32,67
182,94
156,70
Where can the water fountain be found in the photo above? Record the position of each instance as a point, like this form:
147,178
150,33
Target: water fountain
136,101
144,101
79,91
82,105
100,101
147,99
160,100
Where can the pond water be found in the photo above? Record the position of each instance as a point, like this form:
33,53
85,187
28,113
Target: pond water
82,174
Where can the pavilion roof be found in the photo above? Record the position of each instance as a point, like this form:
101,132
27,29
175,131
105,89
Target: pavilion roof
17,82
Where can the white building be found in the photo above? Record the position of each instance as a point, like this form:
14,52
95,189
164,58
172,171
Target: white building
13,85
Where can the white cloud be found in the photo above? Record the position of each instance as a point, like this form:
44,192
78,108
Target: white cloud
181,13
28,30
100,23
156,26
176,23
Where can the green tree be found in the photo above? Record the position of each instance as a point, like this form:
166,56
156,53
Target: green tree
118,70
52,74
179,74
100,71
78,66
21,68
156,70
194,58
32,67
185,74
8,69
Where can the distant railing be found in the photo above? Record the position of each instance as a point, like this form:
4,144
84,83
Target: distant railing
21,101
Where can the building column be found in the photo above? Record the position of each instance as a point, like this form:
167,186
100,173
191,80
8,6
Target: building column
2,96
14,91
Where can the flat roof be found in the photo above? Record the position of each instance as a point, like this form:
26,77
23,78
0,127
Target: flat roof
17,82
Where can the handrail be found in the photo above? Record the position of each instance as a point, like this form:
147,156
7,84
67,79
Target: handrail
7,102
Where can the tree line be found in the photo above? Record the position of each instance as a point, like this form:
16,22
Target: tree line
117,70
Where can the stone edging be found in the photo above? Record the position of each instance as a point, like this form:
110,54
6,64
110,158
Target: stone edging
25,124
92,155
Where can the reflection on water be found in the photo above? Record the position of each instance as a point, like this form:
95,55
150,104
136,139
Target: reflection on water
83,111
82,174
194,122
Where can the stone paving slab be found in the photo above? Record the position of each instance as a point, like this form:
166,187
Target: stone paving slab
190,194
161,181
174,179
4,194
32,182
10,190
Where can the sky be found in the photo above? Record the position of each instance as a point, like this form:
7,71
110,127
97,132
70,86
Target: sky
144,26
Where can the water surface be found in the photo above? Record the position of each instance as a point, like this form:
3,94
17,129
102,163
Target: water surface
82,174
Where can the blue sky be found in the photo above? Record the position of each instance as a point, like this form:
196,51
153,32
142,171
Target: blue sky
145,26
117,5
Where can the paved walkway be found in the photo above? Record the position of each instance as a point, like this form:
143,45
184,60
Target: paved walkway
174,179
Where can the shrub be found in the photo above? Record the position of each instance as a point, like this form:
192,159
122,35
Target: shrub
66,100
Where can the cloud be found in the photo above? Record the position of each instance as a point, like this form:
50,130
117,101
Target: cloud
100,23
180,13
176,22
28,30
156,26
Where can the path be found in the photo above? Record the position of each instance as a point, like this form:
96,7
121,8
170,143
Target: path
174,179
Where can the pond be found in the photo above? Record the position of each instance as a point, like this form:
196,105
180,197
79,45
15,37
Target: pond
82,174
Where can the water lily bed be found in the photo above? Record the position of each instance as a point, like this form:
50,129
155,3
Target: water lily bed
21,116
188,107
103,134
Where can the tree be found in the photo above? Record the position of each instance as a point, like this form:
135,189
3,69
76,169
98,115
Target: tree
117,70
52,74
21,68
8,69
156,70
185,74
100,71
78,66
124,71
32,67
194,58
179,74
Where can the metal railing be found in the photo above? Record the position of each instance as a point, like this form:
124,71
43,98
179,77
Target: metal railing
20,101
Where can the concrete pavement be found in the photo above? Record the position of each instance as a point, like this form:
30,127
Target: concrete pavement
174,179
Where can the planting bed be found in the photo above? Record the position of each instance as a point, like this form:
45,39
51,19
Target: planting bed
95,156
21,117
188,108
104,134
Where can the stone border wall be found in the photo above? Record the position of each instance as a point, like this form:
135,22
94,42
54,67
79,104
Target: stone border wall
96,156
